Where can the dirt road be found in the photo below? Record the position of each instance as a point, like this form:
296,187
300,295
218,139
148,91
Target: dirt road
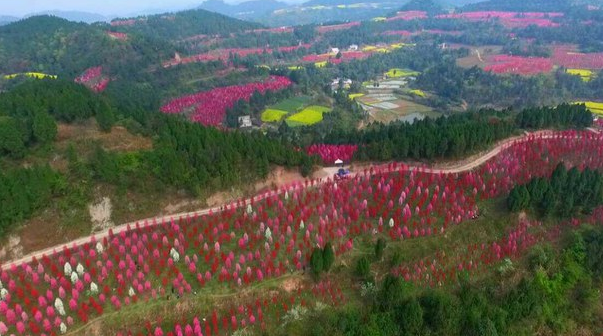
326,172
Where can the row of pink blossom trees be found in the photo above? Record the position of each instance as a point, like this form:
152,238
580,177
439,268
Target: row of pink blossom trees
329,153
93,78
210,106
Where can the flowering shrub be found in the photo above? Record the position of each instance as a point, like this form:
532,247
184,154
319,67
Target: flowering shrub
93,79
118,36
519,65
343,26
210,106
566,56
225,54
508,19
408,15
330,153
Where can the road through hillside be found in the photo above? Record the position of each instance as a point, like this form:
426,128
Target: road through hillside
458,167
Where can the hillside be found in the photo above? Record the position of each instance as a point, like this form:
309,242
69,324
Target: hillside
245,10
4,19
350,2
180,25
520,5
429,6
59,47
398,169
74,16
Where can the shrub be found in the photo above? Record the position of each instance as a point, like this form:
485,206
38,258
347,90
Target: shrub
316,261
410,317
379,248
363,268
328,257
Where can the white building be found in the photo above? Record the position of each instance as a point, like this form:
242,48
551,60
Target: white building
353,47
245,121
335,84
334,51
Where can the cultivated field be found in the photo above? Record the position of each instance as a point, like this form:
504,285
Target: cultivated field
386,108
309,116
272,115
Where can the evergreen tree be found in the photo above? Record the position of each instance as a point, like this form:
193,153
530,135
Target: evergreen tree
105,117
379,248
11,140
410,317
316,261
328,256
44,128
363,268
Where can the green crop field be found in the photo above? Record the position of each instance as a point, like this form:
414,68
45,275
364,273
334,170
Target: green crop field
292,104
309,116
272,115
397,73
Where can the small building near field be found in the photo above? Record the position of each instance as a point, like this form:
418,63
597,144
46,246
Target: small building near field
353,47
335,83
245,121
334,51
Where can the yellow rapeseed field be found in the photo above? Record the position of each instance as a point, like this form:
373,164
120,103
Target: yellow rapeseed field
594,107
37,75
309,116
272,115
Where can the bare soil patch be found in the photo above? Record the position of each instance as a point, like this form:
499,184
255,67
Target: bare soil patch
477,56
291,284
119,139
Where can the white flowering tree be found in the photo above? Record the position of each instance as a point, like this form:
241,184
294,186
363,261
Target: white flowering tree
79,269
67,269
99,248
58,305
175,255
93,288
74,278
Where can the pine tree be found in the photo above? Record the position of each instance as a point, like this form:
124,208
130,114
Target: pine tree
44,128
11,140
379,248
410,317
316,261
105,117
328,257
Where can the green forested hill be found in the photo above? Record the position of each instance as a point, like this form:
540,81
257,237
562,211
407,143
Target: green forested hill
60,47
180,25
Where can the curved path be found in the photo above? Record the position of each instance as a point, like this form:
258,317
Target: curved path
328,171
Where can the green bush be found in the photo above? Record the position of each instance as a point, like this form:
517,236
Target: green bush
363,268
379,248
328,257
316,262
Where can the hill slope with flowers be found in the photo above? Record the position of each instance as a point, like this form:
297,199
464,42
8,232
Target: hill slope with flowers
265,243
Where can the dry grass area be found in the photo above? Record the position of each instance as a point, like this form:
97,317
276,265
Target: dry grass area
402,109
119,139
477,56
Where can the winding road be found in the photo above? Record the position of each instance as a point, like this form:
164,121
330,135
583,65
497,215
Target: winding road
464,165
